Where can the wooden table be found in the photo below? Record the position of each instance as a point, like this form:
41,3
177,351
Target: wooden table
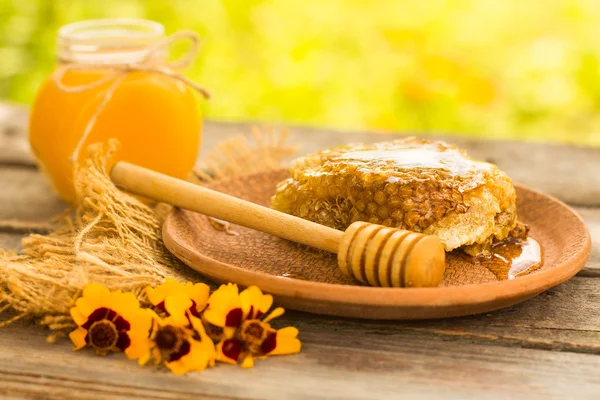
548,347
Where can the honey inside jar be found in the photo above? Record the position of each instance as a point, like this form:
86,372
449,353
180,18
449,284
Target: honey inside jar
155,117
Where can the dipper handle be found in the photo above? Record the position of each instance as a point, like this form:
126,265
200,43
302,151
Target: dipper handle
373,254
177,192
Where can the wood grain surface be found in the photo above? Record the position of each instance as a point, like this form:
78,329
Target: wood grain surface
547,347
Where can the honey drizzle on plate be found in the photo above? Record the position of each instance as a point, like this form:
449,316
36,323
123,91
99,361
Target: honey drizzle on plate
510,259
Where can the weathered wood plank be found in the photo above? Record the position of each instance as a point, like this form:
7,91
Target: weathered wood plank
41,386
10,241
564,171
340,359
591,216
26,200
13,144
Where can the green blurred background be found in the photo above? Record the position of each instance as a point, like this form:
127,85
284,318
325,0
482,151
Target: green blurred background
490,68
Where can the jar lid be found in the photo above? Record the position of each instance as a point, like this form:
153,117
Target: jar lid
108,41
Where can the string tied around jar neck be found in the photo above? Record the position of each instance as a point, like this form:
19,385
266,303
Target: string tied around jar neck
121,70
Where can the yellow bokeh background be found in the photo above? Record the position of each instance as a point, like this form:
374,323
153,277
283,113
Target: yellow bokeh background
488,68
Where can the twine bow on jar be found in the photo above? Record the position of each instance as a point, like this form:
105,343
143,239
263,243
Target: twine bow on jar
120,71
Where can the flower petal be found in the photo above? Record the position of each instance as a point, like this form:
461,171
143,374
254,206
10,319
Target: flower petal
278,312
198,326
144,358
287,342
206,342
265,303
223,300
269,343
95,291
154,295
139,320
78,316
158,294
209,349
178,367
139,348
195,360
248,362
123,302
96,295
228,351
177,303
153,316
254,303
229,332
198,293
123,342
85,307
156,355
177,306
289,331
234,318
200,354
78,338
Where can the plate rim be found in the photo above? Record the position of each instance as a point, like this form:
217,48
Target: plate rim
447,296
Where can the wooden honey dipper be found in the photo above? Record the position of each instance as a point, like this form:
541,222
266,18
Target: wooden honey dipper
373,254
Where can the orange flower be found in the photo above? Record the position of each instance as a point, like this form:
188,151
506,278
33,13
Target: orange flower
240,324
179,341
110,322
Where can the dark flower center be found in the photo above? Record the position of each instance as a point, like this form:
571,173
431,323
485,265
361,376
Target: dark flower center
213,331
253,333
172,342
103,335
166,338
252,330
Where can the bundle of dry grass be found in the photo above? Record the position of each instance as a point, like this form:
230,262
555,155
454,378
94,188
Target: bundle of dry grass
110,237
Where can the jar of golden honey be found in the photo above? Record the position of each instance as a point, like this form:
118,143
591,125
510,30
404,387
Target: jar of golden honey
113,81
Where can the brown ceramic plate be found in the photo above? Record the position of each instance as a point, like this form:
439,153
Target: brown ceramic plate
306,280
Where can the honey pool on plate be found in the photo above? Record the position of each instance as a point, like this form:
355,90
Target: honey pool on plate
509,259
513,258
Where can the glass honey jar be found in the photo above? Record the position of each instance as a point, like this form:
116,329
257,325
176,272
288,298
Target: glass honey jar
113,81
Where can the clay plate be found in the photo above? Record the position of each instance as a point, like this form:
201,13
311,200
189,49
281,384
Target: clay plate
302,279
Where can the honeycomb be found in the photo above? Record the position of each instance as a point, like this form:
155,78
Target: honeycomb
413,184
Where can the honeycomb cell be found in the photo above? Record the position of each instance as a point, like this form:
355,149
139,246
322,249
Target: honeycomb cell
414,184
